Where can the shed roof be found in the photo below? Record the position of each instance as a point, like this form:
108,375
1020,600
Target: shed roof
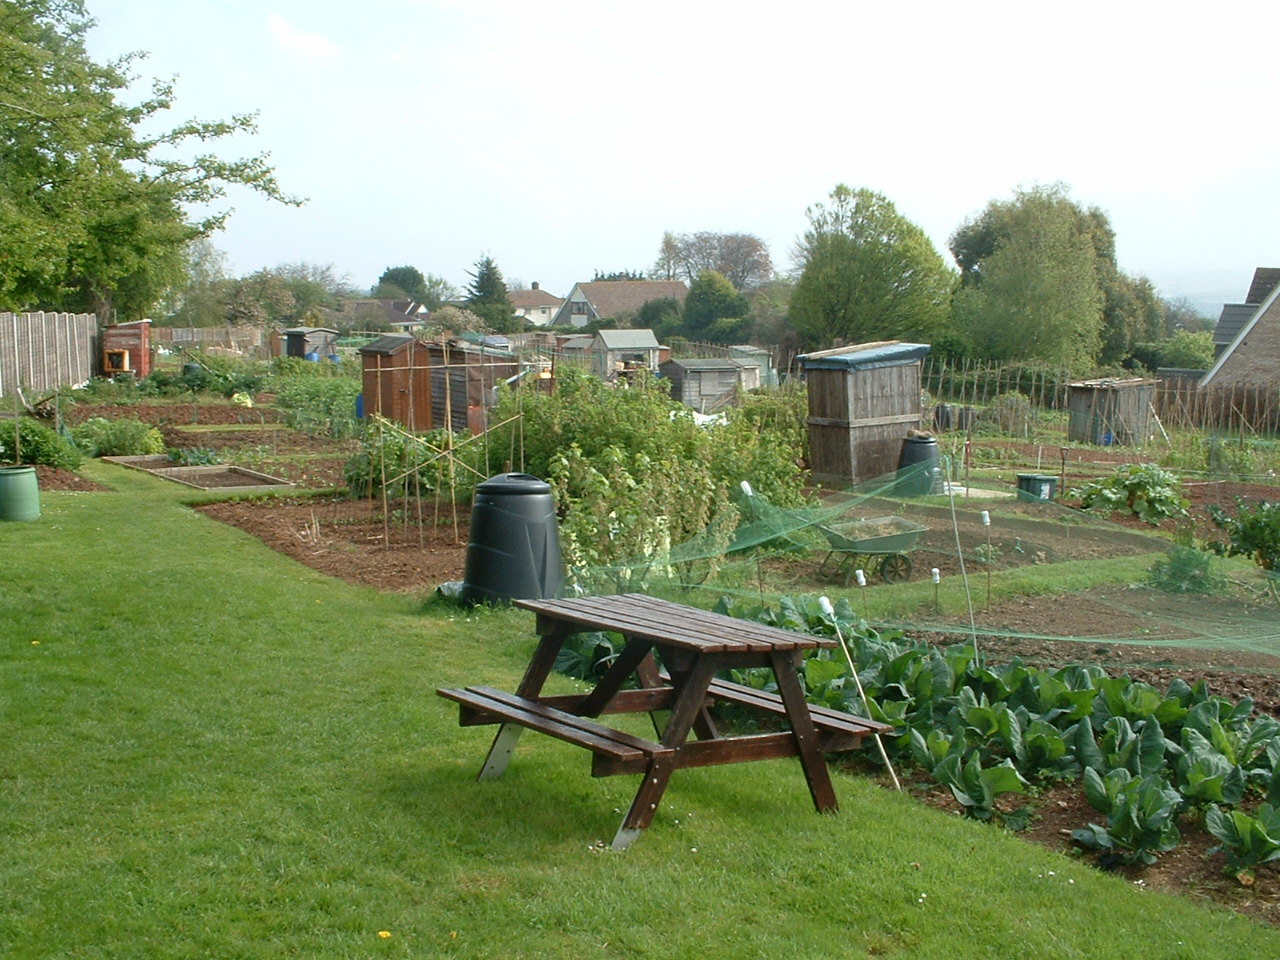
627,339
865,356
387,345
310,330
710,364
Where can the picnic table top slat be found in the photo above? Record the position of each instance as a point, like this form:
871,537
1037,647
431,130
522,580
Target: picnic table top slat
665,622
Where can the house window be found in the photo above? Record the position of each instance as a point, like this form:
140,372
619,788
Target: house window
578,307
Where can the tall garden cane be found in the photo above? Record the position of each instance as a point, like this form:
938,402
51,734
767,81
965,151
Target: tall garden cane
827,609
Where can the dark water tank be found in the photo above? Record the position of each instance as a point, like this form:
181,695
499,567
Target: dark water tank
918,470
514,548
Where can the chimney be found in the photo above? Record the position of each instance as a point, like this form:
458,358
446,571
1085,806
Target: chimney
535,285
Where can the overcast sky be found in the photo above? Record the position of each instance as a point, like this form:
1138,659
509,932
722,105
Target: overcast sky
563,137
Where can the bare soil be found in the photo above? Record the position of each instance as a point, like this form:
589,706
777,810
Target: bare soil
407,547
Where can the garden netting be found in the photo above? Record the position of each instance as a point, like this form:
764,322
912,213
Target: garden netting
987,564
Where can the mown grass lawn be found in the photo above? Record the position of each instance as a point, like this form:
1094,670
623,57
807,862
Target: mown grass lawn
211,751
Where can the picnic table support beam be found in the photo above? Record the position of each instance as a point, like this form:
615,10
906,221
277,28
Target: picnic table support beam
684,712
803,729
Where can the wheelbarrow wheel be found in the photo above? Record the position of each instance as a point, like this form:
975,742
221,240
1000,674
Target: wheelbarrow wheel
895,568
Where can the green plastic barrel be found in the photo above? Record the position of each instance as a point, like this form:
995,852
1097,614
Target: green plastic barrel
514,548
19,494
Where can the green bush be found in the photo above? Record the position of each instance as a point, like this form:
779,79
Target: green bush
100,437
1253,532
394,463
1144,490
320,405
34,443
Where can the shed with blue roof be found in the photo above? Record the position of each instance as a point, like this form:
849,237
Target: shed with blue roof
863,400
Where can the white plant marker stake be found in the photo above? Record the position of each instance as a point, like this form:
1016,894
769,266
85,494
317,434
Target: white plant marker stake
827,609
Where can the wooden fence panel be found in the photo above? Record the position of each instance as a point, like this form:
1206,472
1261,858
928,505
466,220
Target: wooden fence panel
40,352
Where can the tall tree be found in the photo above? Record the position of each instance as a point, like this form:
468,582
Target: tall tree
714,311
408,280
92,209
740,258
867,273
1032,280
487,297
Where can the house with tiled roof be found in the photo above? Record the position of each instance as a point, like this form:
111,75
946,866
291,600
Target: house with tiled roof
614,299
535,306
1252,354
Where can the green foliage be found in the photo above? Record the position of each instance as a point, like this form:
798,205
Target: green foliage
1185,350
320,405
94,197
1141,816
987,730
639,485
488,299
393,462
1033,271
1253,532
408,280
193,456
30,441
1248,840
118,438
868,273
1009,414
711,302
1144,490
1186,569
976,788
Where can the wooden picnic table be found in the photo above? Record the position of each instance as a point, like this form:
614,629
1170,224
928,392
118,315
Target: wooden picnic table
693,646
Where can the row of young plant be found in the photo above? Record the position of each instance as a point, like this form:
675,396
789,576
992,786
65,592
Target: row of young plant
1145,757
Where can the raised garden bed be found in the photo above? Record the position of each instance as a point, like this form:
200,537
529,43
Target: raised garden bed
214,477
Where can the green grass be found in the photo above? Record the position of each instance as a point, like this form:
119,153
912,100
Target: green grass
211,751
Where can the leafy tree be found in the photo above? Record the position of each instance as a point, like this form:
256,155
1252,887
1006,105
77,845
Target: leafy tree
867,273
618,275
711,302
1030,285
408,280
1131,313
663,316
92,208
1181,314
1185,350
487,297
741,258
437,292
261,299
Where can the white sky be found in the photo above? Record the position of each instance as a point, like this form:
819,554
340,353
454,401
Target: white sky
563,137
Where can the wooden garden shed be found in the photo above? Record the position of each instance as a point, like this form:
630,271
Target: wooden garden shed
395,381
708,385
463,378
126,349
311,342
862,401
1107,412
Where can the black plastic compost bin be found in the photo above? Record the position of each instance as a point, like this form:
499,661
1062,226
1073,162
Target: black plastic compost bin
514,548
1036,486
918,470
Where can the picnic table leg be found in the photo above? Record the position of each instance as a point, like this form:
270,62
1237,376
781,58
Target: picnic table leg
803,729
504,744
692,688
